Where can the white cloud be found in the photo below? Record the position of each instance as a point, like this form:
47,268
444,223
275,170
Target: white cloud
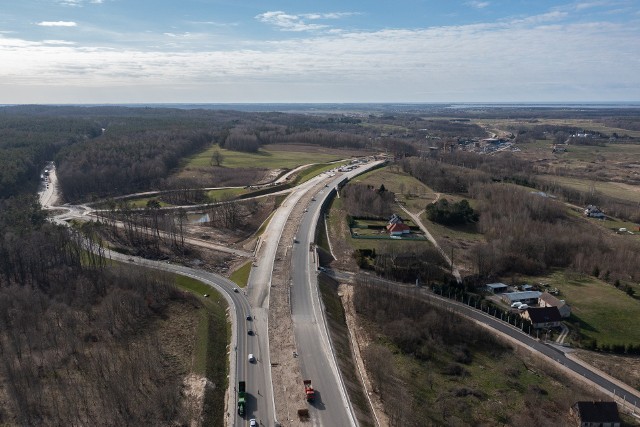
57,24
58,42
592,4
478,4
78,3
555,15
287,22
516,60
331,15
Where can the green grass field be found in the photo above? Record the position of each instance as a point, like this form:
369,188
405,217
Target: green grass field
414,194
216,306
226,193
267,158
142,202
605,313
241,275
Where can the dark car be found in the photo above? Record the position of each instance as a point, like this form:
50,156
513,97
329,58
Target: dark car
250,332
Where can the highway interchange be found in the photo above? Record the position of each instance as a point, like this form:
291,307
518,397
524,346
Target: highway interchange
249,311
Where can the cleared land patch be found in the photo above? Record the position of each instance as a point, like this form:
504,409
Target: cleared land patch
609,188
270,157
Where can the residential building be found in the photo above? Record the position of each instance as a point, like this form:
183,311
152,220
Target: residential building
398,229
542,317
548,300
596,414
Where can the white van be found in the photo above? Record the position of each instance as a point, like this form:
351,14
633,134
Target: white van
523,307
516,304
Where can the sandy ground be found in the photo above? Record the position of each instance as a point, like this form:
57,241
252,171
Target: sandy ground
285,371
194,388
50,195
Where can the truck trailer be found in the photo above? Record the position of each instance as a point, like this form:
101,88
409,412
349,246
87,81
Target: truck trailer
309,393
241,398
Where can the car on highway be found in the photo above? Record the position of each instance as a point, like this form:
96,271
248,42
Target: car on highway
250,332
236,290
249,317
252,358
295,239
252,422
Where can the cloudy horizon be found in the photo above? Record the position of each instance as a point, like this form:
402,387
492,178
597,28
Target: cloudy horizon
104,51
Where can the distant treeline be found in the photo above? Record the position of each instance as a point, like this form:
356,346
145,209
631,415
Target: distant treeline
109,150
124,164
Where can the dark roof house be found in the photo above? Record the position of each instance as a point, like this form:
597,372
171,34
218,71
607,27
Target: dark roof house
600,414
543,317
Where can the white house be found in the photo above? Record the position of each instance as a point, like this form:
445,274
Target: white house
548,300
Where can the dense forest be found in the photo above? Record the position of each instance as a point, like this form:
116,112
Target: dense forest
27,142
77,336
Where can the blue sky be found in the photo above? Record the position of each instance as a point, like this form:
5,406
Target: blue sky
123,51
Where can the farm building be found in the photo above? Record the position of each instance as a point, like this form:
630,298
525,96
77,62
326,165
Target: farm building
526,297
496,288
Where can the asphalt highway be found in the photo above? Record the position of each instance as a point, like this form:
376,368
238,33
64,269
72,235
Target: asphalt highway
315,352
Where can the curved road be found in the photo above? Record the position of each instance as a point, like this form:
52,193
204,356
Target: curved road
260,284
332,406
616,389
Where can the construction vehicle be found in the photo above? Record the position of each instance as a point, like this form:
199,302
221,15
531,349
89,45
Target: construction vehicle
310,394
241,398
